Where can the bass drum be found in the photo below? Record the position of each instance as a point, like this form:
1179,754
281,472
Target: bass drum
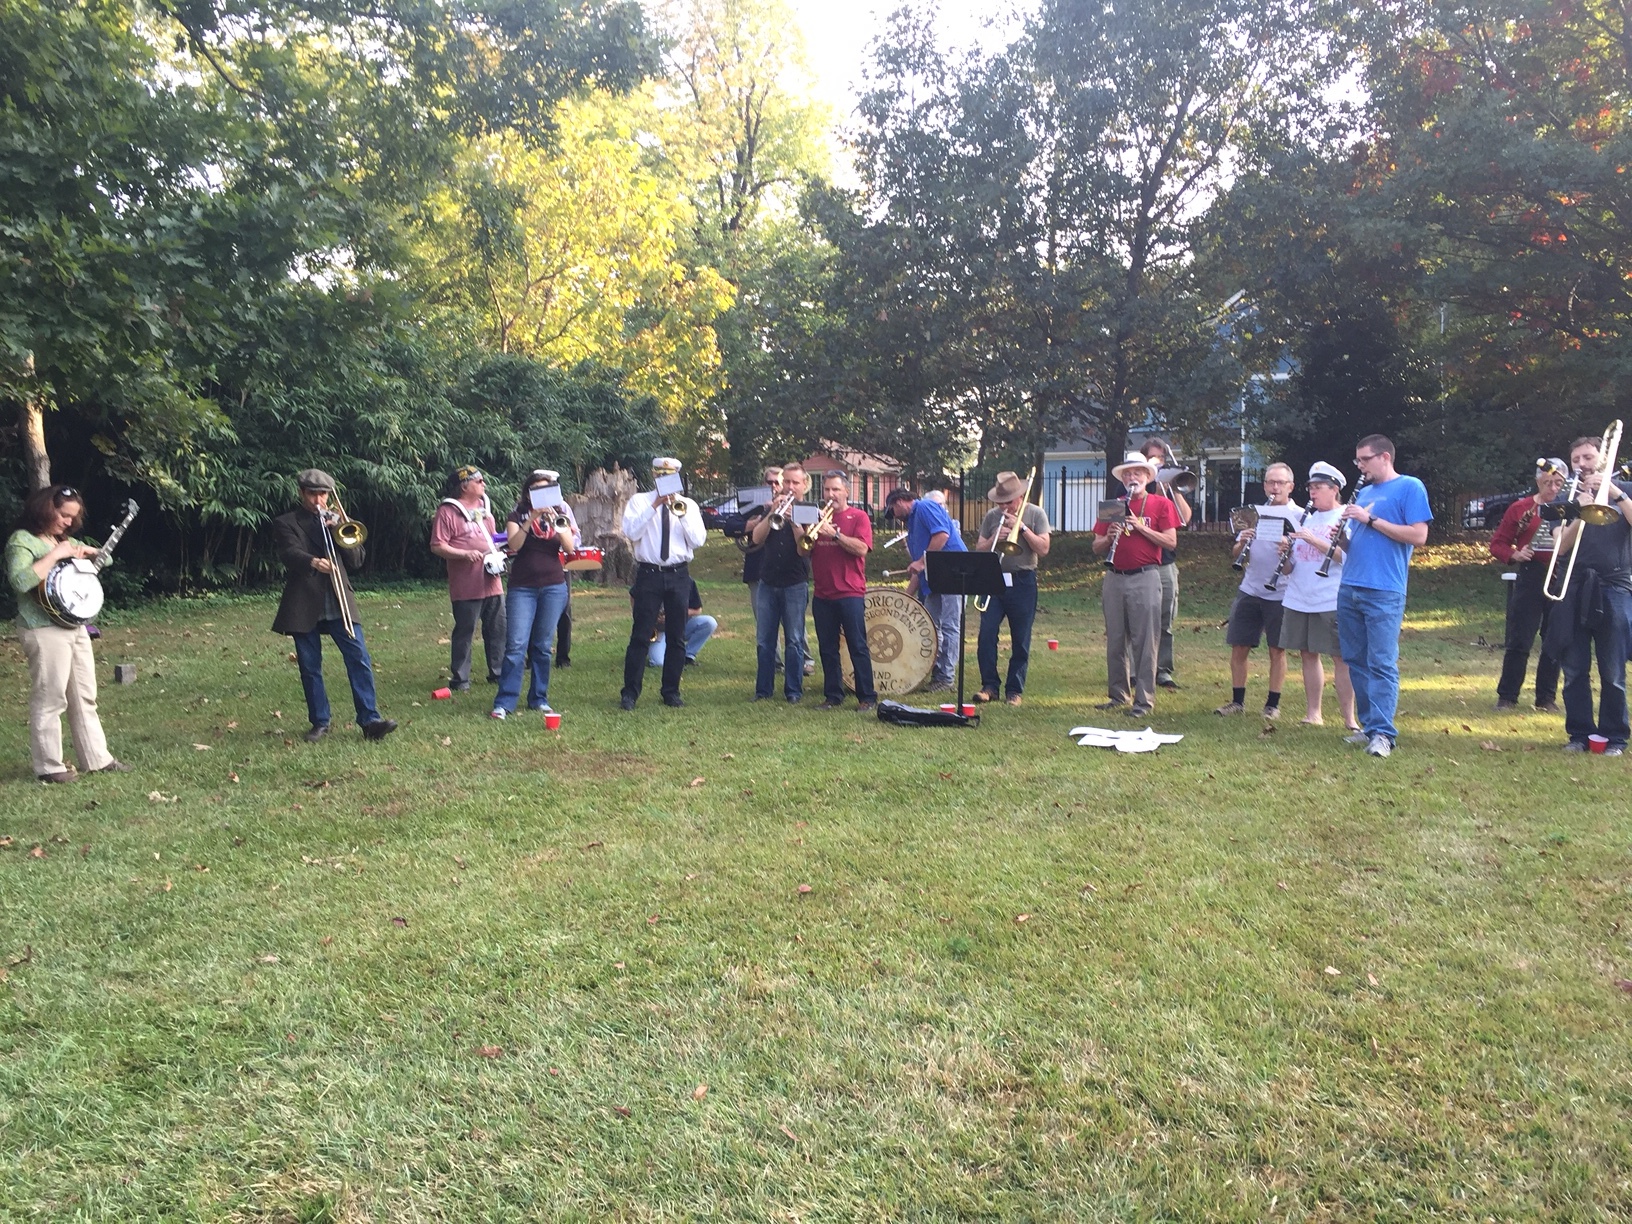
72,593
901,639
583,560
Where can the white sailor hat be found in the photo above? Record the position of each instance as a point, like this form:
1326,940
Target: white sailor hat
1328,474
543,476
664,466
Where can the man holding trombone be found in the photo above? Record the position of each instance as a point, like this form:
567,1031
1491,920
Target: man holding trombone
317,546
1595,597
1019,532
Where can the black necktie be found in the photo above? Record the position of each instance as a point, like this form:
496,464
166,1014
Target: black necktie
663,553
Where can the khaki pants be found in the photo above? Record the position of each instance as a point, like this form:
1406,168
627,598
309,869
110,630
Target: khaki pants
1133,626
62,678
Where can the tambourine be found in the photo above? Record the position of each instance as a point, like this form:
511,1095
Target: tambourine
493,563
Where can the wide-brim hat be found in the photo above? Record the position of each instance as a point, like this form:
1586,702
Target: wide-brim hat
315,480
664,466
1325,473
1134,460
1008,487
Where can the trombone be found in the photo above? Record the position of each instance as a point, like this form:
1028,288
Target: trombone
331,554
1009,542
1596,513
1175,475
348,532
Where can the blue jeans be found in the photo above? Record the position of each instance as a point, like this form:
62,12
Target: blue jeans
849,616
947,613
699,629
359,670
1609,637
1018,605
531,614
781,608
1368,630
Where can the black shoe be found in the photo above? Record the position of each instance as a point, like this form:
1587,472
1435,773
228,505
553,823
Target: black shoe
1136,711
673,702
1166,682
379,729
459,688
316,733
626,702
1548,707
563,663
691,660
796,700
492,679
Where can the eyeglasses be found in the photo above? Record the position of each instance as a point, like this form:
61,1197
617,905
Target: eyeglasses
1364,458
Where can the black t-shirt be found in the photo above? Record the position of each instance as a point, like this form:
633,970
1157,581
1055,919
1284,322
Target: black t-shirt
780,563
1607,550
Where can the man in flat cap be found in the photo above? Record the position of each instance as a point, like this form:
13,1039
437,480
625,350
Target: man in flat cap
317,599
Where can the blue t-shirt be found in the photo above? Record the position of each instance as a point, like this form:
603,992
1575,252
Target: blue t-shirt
928,520
1372,560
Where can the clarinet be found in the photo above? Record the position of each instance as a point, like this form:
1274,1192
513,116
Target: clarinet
1110,557
1286,550
1339,533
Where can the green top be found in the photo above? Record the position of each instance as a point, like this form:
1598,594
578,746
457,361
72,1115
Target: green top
22,551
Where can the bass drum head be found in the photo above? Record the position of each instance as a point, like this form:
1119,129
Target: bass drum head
901,639
72,593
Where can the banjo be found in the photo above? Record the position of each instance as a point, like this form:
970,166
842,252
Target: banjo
71,593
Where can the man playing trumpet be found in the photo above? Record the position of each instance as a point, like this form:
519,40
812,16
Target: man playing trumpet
784,590
838,563
1017,602
318,599
664,530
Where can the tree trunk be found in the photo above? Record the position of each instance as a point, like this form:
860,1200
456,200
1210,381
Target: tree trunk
31,429
1115,432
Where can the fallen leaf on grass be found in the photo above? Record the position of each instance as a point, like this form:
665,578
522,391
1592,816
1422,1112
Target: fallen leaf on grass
803,889
1329,971
652,921
699,1092
691,875
5,843
1371,979
200,868
326,940
447,741
617,964
459,862
204,747
1623,985
160,797
233,725
26,956
37,852
730,756
1281,884
399,922
490,1051
1490,746
696,782
555,1070
593,844
793,1137
946,777
623,1111
167,885
1022,917
232,777
271,958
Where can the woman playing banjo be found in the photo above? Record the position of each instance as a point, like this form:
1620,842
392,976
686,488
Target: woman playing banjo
61,667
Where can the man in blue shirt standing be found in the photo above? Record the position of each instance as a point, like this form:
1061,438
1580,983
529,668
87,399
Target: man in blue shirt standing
1387,519
931,529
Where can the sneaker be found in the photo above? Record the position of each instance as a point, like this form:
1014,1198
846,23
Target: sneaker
1379,746
940,686
1548,707
866,707
985,695
1503,705
459,688
1357,737
1136,711
830,704
691,660
541,709
379,728
626,703
1272,712
562,663
1013,699
1231,707
1575,746
1111,705
1166,682
501,715
1615,750
61,776
316,733
792,700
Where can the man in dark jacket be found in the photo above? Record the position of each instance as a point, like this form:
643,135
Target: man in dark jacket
313,595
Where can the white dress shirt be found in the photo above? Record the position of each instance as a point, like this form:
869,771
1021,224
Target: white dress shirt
643,527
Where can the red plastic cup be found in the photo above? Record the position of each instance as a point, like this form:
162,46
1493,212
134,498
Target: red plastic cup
442,694
1597,743
950,706
552,720
1053,643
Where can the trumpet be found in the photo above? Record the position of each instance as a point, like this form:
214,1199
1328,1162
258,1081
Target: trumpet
780,510
1596,513
808,537
348,532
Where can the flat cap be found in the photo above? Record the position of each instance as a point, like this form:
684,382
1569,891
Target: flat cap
315,479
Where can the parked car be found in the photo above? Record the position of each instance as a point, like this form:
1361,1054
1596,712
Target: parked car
1485,513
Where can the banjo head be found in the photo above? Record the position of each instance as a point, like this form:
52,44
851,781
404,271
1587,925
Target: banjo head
72,593
901,640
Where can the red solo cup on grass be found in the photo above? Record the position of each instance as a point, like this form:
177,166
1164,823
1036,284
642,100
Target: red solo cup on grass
1053,643
948,706
442,694
1597,743
552,720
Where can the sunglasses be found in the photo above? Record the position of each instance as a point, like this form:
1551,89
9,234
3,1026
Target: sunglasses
65,494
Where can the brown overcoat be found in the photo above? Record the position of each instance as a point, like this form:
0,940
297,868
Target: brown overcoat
298,539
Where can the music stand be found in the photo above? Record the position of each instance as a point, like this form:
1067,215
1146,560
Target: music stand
964,574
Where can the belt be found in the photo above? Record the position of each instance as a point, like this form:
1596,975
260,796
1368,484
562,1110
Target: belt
646,567
1143,569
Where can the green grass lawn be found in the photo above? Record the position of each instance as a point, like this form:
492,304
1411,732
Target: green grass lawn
772,963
